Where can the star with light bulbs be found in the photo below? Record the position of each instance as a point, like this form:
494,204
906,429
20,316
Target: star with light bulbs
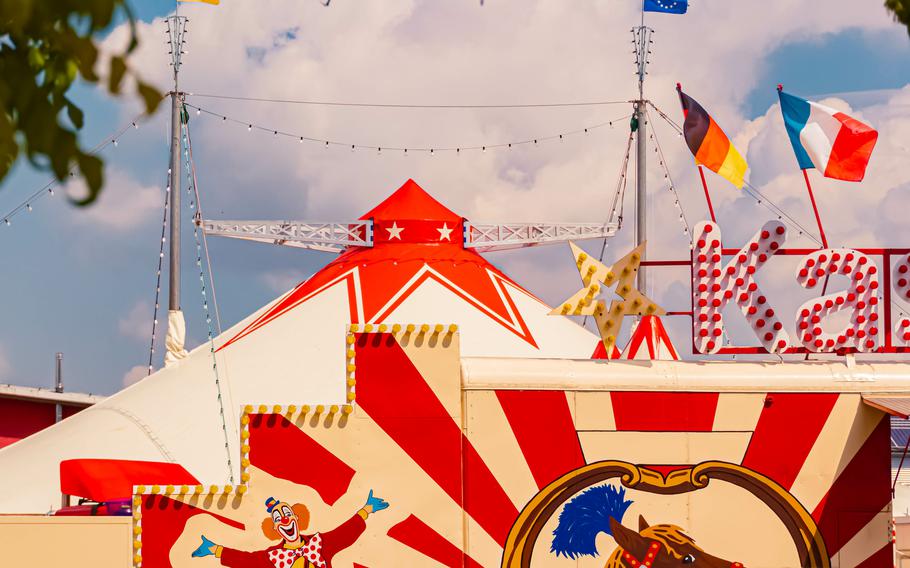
597,277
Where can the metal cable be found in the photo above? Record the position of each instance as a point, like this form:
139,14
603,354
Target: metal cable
205,307
167,198
48,188
427,150
404,106
754,192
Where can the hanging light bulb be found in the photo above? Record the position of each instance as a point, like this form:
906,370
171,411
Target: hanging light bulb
249,128
28,206
7,222
198,111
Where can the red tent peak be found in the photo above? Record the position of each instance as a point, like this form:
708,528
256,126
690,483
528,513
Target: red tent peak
411,202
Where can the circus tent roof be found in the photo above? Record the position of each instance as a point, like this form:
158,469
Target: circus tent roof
650,342
292,351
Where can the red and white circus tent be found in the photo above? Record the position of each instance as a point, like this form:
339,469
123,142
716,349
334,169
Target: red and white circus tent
418,270
650,341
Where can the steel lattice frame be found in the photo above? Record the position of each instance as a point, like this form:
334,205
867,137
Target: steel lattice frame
328,237
504,236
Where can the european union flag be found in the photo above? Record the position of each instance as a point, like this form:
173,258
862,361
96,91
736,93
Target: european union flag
667,6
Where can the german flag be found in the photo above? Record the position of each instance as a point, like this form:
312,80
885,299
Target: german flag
709,144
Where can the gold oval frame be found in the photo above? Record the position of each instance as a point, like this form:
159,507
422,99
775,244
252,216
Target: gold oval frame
799,523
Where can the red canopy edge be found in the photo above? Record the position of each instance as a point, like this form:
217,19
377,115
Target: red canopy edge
106,479
895,405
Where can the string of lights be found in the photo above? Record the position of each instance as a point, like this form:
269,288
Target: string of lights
619,194
427,150
167,198
670,185
193,206
754,192
408,106
197,219
618,201
47,190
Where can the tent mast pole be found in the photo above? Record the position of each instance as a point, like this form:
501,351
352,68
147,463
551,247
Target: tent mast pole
642,39
176,31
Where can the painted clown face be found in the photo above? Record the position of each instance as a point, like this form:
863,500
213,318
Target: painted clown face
286,522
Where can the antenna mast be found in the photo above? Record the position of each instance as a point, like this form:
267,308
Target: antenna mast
641,37
176,30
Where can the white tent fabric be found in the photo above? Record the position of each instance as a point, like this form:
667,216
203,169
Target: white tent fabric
175,341
289,352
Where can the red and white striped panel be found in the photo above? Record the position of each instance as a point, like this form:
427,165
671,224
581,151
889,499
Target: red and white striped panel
458,466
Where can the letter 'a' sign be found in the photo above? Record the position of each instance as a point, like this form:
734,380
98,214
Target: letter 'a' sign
716,284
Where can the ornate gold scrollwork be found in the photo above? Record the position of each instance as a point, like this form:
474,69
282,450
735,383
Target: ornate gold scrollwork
800,524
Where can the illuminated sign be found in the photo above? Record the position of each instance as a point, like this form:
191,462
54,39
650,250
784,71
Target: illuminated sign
716,284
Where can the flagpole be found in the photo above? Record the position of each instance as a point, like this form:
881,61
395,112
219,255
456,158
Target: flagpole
818,218
704,184
701,171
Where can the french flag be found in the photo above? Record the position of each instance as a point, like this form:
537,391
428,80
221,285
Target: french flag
835,144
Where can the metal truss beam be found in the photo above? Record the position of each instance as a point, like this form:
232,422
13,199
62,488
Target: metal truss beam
505,236
327,237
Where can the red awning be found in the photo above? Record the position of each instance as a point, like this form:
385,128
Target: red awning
895,404
104,480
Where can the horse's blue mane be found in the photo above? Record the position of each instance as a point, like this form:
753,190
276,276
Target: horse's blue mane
586,515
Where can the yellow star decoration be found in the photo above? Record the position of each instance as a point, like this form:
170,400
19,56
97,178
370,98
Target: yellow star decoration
596,276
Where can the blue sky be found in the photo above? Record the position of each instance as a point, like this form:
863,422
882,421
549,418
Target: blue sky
82,281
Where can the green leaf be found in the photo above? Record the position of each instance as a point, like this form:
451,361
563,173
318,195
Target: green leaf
46,46
150,95
36,59
118,70
75,115
91,168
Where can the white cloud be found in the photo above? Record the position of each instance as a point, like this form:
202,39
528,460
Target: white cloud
134,375
280,281
124,203
511,51
137,323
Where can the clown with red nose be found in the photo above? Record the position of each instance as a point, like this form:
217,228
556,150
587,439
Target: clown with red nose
285,524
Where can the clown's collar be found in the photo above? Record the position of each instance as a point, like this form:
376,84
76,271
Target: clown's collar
295,545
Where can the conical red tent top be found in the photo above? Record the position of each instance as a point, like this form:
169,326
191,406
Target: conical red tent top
650,341
410,202
416,240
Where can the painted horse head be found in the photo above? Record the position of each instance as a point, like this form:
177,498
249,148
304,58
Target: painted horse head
601,509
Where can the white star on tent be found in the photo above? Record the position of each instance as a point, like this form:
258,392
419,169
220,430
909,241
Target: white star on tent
394,231
444,232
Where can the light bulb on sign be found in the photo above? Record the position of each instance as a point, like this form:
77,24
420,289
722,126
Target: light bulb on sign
714,286
901,282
